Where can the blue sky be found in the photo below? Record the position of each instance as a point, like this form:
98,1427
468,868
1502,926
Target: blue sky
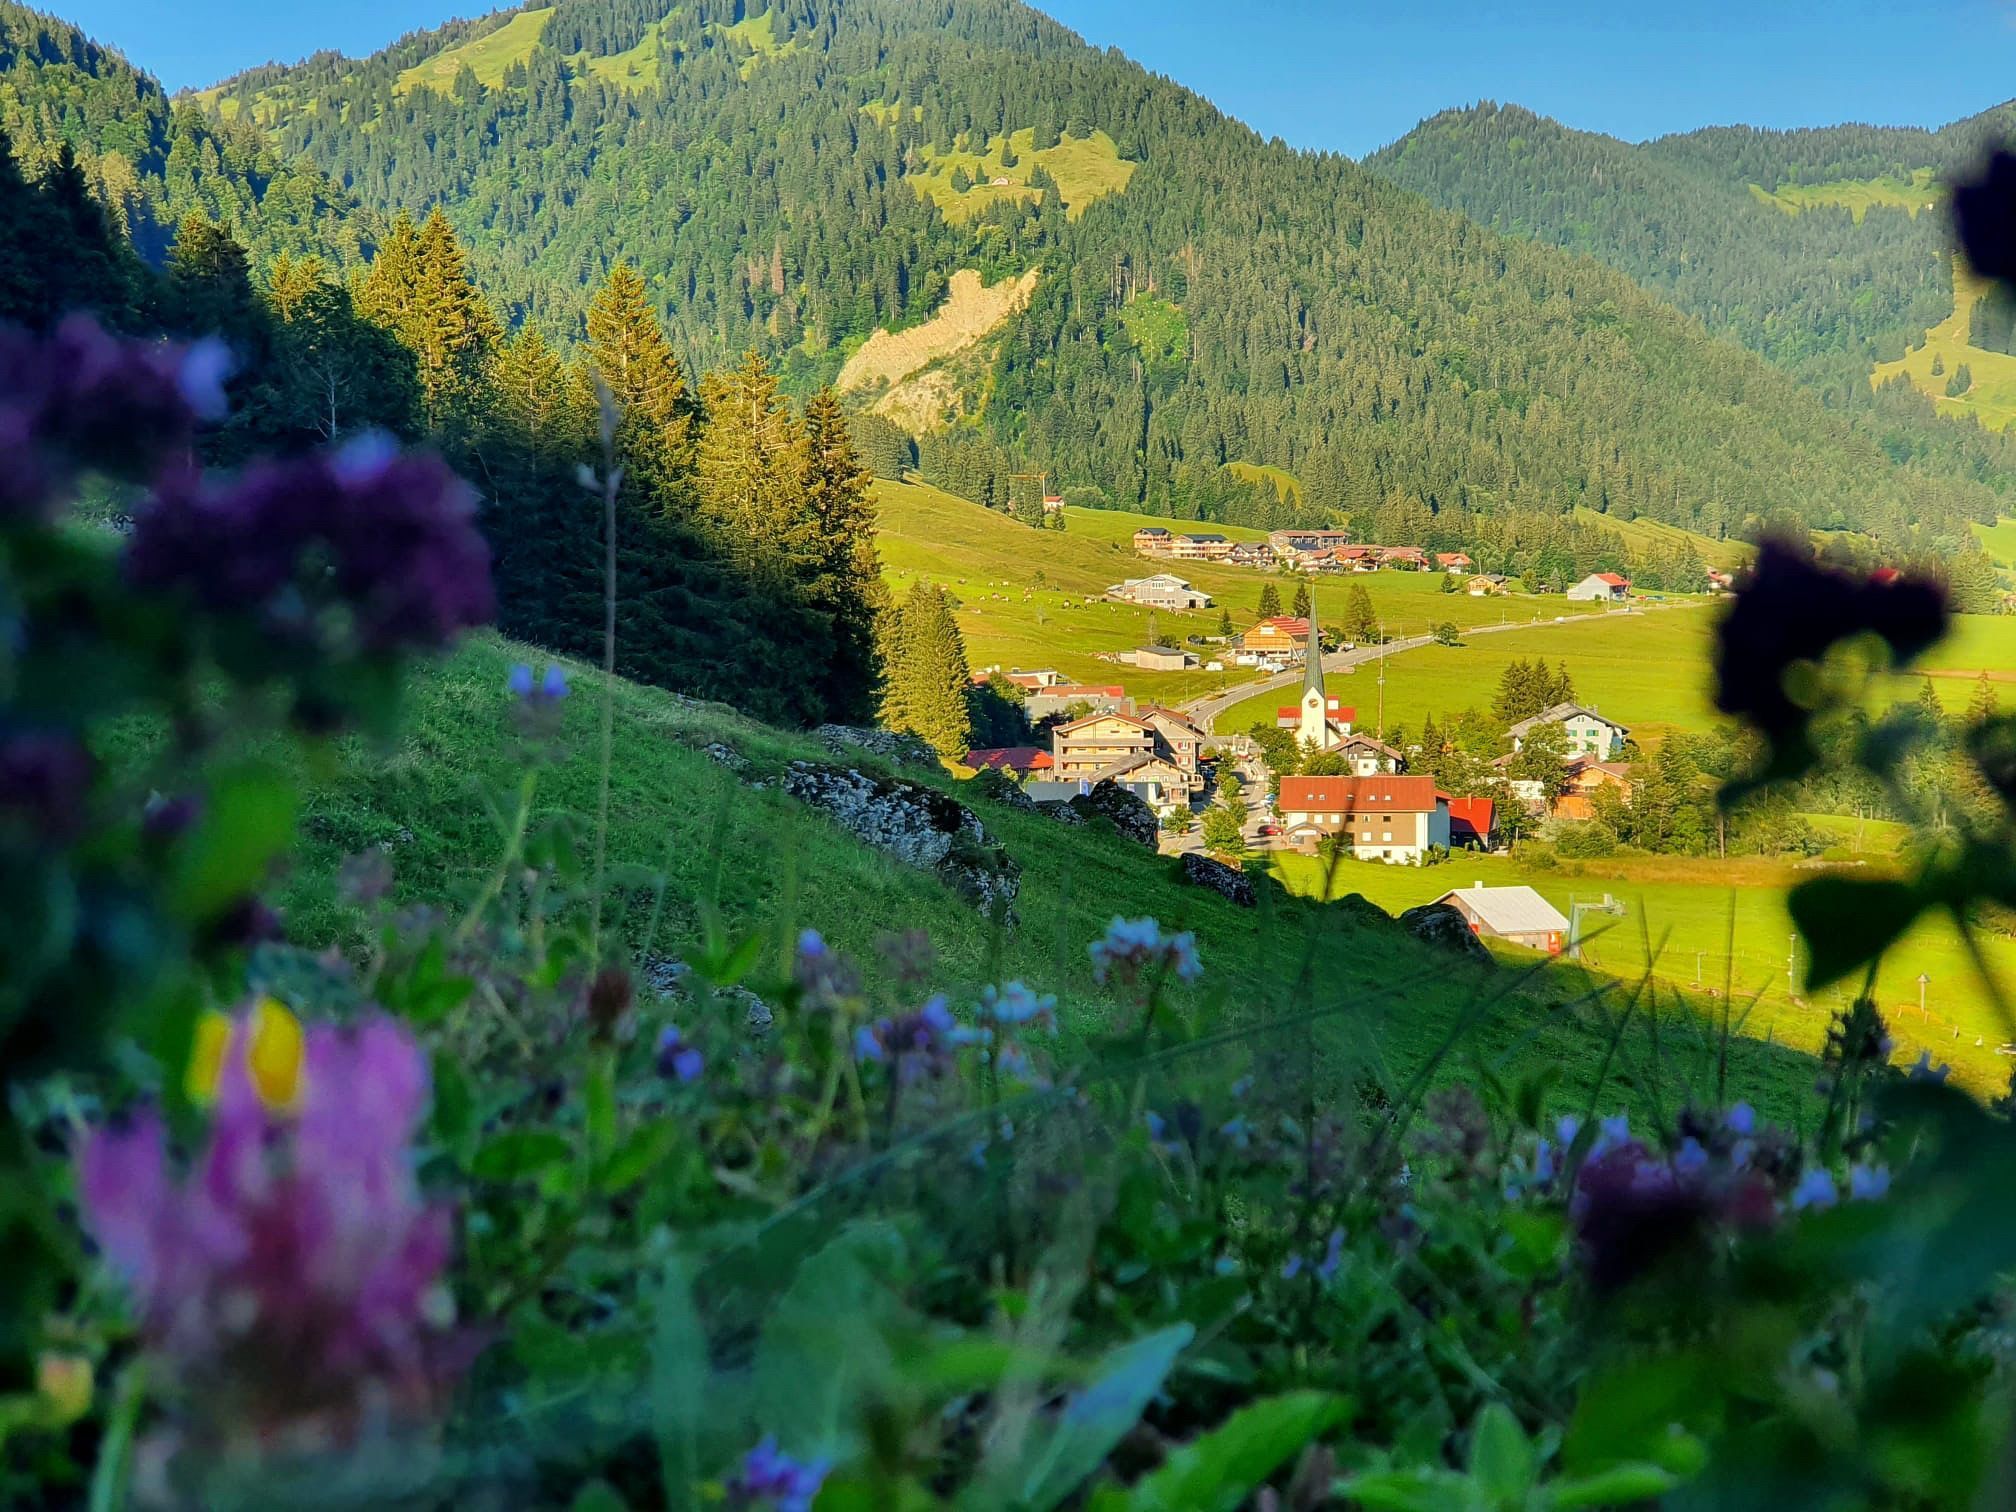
1349,75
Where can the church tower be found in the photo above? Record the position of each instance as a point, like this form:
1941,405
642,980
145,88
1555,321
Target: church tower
1315,726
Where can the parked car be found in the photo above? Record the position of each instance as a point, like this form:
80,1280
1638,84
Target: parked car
1267,830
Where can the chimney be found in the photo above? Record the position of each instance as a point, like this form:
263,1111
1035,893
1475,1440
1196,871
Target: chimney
1478,885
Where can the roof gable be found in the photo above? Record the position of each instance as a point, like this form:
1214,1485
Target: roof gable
1342,794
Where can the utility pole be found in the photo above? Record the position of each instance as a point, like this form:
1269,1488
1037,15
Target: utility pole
1791,962
1697,968
1923,982
1382,681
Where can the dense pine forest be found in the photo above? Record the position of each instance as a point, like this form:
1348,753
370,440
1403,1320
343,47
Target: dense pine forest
1823,292
1235,301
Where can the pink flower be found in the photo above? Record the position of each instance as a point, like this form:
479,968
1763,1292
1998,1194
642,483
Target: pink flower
294,1274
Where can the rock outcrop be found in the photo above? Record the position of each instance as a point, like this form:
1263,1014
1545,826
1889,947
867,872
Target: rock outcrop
919,826
1228,882
1120,808
892,746
1445,928
998,787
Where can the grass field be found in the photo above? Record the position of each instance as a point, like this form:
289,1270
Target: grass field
1650,671
1992,399
1084,168
766,863
1287,486
1857,196
1728,920
989,561
1643,535
634,67
487,56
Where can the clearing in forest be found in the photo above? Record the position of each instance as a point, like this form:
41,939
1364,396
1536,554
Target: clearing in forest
1857,196
1991,398
1083,168
487,56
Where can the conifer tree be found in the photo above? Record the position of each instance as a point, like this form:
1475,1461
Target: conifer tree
629,355
750,472
1361,620
928,675
419,288
1270,601
847,575
1301,609
1982,704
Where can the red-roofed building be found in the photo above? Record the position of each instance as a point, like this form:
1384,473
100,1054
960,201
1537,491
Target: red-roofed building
1471,822
1454,561
1020,760
1603,587
1383,818
1884,576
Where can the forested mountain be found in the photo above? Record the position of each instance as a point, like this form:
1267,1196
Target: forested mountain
152,164
1809,246
794,180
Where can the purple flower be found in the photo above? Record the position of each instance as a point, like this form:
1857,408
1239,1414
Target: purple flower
1691,1159
772,1478
1741,1120
294,1276
1014,1005
1135,948
1925,1070
45,780
1333,1256
919,1045
677,1060
389,552
825,978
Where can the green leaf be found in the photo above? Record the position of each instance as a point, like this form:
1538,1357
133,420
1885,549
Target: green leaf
599,1097
425,993
520,1155
1501,1459
1619,1486
1847,923
825,1350
454,1106
247,822
1216,1473
1410,1491
636,1157
679,1371
1076,1442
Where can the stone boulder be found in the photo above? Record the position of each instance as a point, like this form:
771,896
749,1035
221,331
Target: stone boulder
1230,883
919,826
1120,808
672,980
1059,809
998,787
891,745
1445,928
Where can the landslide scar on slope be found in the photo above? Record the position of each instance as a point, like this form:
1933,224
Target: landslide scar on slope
896,362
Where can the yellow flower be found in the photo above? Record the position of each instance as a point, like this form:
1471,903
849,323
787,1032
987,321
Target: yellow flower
64,1382
206,1056
273,1055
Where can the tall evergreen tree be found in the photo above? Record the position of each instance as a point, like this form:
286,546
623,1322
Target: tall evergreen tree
750,473
419,288
847,576
630,357
1301,609
1270,601
928,675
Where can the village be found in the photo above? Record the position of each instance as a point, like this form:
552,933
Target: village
1351,794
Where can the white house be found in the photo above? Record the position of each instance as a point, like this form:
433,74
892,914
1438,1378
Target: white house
1584,731
1384,818
1518,914
1602,588
1162,591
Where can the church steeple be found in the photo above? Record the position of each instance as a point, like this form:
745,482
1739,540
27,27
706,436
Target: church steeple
1312,661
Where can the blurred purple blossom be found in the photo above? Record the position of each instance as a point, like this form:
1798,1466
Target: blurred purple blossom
83,399
916,1046
1868,1183
45,780
1815,1190
293,1279
773,1479
825,978
393,546
677,1060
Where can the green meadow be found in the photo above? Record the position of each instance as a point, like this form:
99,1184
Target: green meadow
1992,398
1718,932
1857,196
1023,594
1083,168
487,56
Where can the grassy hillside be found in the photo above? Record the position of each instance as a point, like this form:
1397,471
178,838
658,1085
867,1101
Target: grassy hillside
767,863
1084,168
1913,195
487,56
1644,535
1992,397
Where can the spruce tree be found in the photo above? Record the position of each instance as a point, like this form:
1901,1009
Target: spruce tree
847,578
1270,601
1301,609
1361,620
1982,704
419,288
629,355
928,679
750,473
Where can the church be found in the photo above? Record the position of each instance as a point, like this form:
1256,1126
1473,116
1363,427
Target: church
1322,723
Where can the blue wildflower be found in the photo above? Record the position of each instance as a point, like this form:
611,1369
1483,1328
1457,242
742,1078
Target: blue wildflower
519,681
1333,1256
1691,1159
772,1478
677,1060
1566,1127
1868,1183
1815,1190
1543,1161
1924,1070
1741,1119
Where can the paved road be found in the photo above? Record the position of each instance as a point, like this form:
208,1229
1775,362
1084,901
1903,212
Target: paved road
1205,710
